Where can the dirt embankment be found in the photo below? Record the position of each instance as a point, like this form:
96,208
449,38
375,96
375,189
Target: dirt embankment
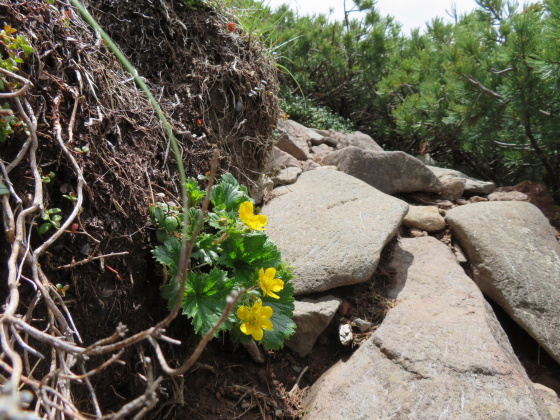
88,118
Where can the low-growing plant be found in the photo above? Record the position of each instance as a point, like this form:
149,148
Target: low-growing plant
312,114
52,218
231,253
14,49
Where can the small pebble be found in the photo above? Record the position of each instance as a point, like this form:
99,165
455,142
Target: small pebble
363,325
218,395
345,334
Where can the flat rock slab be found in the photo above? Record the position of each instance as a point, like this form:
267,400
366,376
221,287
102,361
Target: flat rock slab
472,185
439,354
389,172
332,227
516,262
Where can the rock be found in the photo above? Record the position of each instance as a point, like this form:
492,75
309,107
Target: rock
454,187
459,254
424,217
477,199
516,261
331,227
508,196
262,189
357,139
310,165
287,176
417,233
472,185
280,159
311,318
294,139
550,399
363,325
327,138
345,334
540,197
389,172
319,152
439,354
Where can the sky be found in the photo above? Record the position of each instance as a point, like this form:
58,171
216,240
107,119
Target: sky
410,13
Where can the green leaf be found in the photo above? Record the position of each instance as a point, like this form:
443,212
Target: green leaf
162,235
195,193
170,292
205,299
44,228
169,254
4,189
245,255
54,210
283,309
159,215
228,194
204,250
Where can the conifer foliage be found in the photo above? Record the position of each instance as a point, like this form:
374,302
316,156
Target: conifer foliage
481,94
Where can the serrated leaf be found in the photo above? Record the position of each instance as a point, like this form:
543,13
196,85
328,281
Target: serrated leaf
170,292
228,194
283,309
169,254
205,299
245,255
205,250
4,189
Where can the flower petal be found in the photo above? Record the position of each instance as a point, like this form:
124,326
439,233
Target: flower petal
245,211
257,334
276,285
265,313
243,313
267,325
269,273
258,222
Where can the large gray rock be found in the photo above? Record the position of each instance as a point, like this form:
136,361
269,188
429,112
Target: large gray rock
516,261
295,139
508,196
341,140
439,354
357,139
472,185
331,228
389,172
311,318
279,159
454,187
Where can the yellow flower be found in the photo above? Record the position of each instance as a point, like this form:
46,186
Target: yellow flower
256,318
255,222
269,284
